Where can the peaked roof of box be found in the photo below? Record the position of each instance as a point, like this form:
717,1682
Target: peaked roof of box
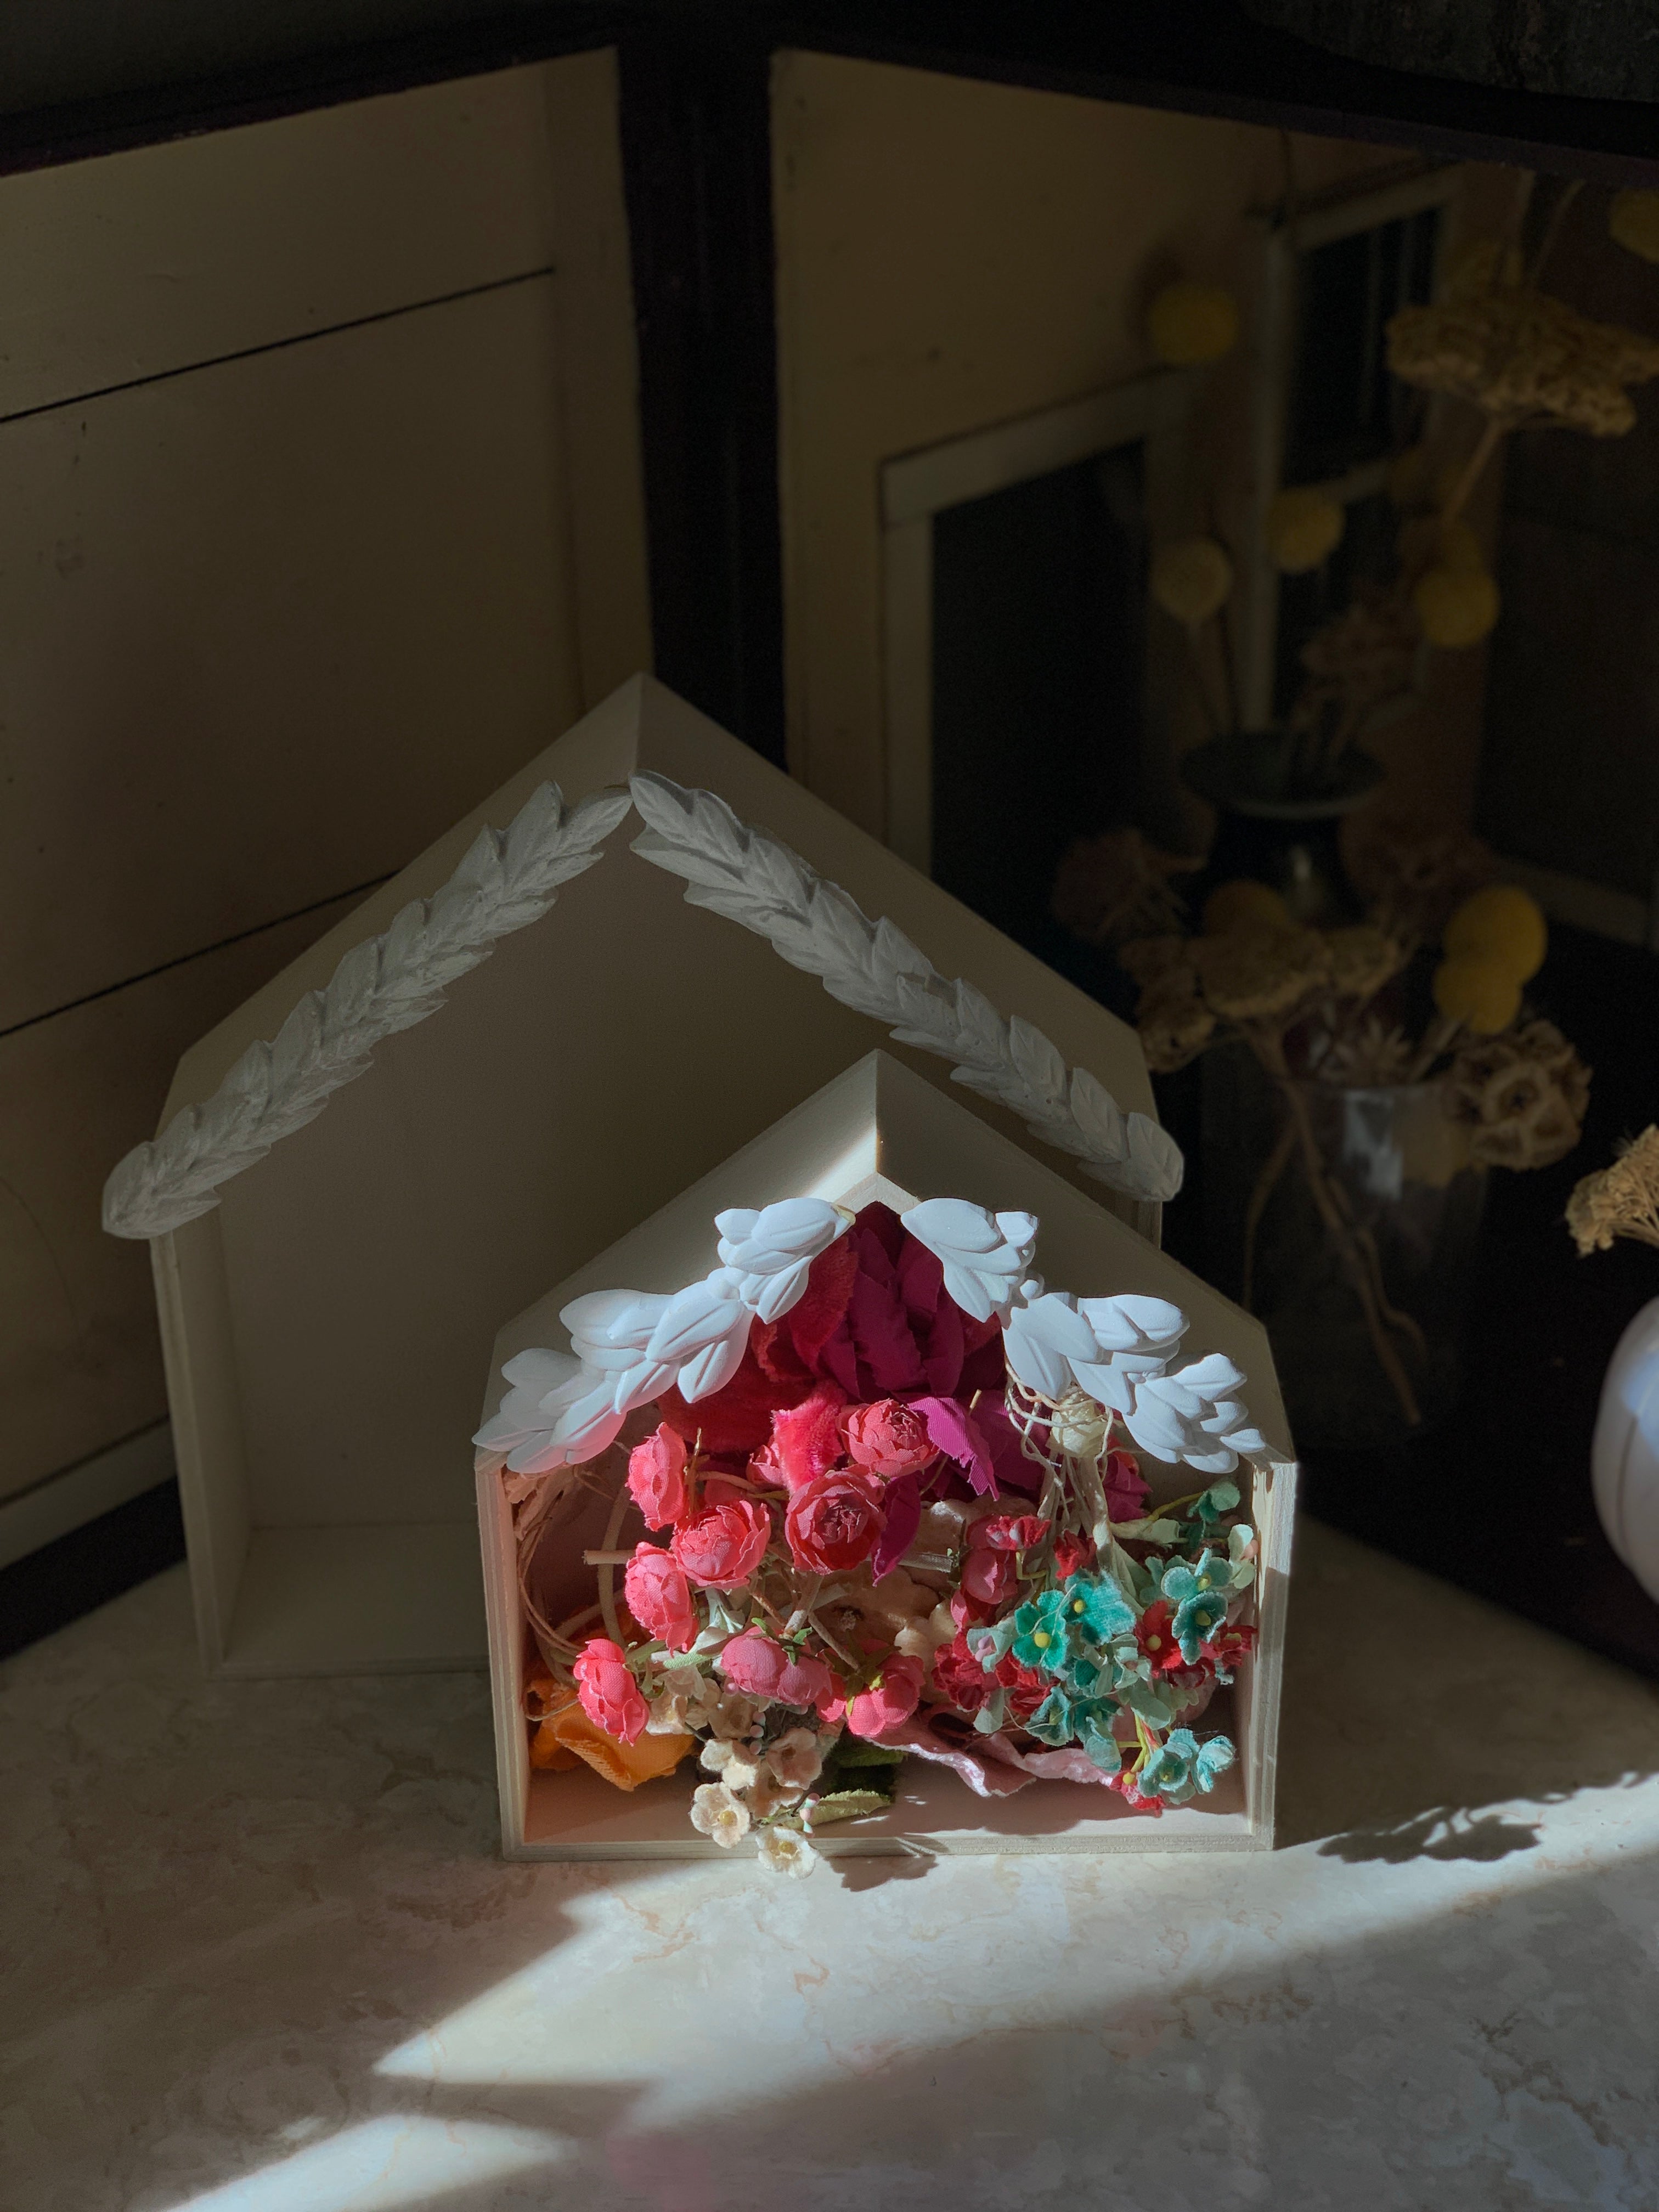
390,965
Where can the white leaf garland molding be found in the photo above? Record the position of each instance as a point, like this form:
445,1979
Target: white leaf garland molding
564,1408
508,879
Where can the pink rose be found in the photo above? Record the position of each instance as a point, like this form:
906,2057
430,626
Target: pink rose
889,1438
610,1696
722,1546
990,1578
833,1524
805,1439
659,1597
890,1700
656,1478
753,1663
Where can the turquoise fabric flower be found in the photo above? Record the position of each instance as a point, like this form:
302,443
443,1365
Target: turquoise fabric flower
1052,1723
1220,1498
1198,1594
1044,1635
1101,1745
1095,1604
989,1645
1181,1767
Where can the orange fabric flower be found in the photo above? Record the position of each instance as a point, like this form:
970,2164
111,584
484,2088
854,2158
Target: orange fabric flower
567,1735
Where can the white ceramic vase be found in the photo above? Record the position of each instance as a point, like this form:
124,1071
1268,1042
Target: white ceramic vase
1625,1450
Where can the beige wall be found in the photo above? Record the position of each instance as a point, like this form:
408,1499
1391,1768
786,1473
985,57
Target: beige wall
320,514
951,254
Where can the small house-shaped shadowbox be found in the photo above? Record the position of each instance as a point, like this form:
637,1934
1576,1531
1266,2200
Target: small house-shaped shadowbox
876,1134
400,1139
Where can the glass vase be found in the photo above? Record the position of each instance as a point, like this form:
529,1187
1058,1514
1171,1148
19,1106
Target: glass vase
1346,1221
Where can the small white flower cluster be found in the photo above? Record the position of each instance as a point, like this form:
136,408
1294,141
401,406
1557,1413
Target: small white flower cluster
628,1347
755,1784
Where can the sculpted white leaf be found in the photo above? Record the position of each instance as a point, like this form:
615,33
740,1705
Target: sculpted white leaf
700,1315
612,1329
985,1257
713,1367
387,984
1099,1116
1042,1335
539,1371
873,968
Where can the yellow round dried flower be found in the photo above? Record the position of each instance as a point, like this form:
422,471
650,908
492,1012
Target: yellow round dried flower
1478,991
1633,222
1190,323
1455,606
1191,579
1303,528
1243,905
1504,924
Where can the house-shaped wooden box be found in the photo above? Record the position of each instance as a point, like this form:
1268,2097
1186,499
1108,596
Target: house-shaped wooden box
330,1262
878,1132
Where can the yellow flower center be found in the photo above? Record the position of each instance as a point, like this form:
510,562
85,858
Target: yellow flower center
1154,1642
1077,1605
1041,1639
1204,1581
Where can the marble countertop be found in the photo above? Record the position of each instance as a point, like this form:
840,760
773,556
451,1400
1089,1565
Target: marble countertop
259,1956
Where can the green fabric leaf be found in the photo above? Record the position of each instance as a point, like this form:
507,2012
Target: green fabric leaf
846,1805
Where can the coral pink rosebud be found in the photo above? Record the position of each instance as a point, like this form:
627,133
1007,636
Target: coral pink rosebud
990,1578
890,1699
888,1438
833,1524
656,1478
760,1668
1007,1532
659,1597
610,1696
721,1548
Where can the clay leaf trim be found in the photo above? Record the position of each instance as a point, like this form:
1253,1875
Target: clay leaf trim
508,879
739,871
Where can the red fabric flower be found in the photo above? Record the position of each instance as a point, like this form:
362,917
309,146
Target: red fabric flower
889,1700
832,1523
722,1546
990,1578
958,1675
1231,1642
1072,1554
1008,1532
656,1477
610,1696
760,1668
1026,1689
1154,1636
659,1597
888,1438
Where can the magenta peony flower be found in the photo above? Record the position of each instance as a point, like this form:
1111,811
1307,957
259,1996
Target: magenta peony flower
833,1524
890,1700
656,1478
722,1546
610,1696
659,1597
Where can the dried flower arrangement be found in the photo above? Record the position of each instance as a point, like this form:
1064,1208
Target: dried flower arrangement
1330,1009
895,1512
1620,1199
1493,339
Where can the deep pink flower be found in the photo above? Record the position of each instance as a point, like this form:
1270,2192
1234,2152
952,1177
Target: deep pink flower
1126,1491
890,1699
656,1478
990,1578
958,1675
888,1438
610,1696
1073,1554
805,1439
833,1524
760,1668
722,1546
659,1597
